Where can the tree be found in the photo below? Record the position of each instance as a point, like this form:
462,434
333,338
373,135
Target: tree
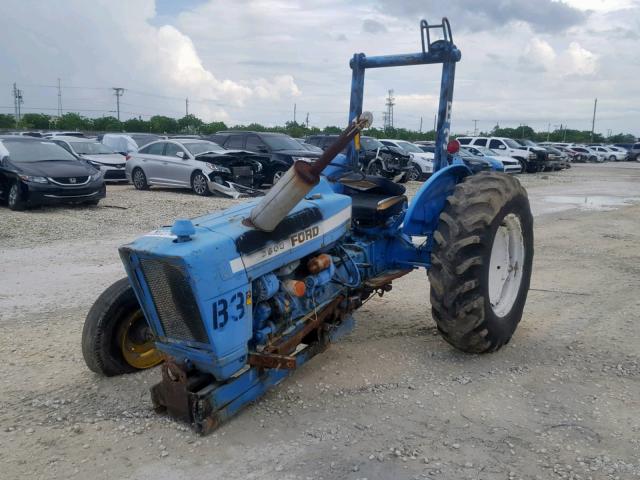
35,121
189,124
7,120
136,125
622,138
162,124
213,127
73,121
106,124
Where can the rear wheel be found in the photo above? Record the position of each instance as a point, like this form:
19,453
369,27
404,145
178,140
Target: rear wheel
139,179
199,184
14,198
116,338
481,262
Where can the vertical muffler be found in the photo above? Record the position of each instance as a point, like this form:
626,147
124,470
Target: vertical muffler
300,179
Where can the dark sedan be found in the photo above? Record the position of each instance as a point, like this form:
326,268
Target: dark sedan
36,172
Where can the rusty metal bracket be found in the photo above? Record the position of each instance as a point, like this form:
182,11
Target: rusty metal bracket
271,360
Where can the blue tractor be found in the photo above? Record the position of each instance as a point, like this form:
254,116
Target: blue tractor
233,302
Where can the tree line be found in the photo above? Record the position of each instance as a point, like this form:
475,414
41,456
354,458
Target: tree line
190,124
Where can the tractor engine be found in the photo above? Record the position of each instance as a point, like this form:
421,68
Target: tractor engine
300,289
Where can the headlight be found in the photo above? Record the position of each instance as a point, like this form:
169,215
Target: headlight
97,176
303,159
95,164
532,156
29,178
217,168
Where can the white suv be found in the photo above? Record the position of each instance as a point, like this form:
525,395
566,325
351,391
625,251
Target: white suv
506,146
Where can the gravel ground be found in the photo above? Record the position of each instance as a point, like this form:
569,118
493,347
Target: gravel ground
392,400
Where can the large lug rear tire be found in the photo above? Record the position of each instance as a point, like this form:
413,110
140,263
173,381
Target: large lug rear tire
481,262
116,338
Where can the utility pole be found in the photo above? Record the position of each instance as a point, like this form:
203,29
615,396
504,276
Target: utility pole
390,103
475,128
186,106
294,112
420,124
548,130
17,101
59,99
593,121
435,118
118,93
306,121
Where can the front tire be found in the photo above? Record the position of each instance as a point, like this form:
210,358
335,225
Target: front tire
375,169
481,262
277,175
116,338
14,199
415,174
199,184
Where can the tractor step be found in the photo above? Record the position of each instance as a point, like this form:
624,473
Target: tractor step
205,404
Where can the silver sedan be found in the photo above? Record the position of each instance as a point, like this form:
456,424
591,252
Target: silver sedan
174,163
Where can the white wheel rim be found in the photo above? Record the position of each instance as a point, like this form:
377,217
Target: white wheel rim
505,266
277,176
13,194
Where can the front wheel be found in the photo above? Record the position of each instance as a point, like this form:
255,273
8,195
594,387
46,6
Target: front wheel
139,179
14,199
116,338
199,184
481,262
415,174
375,169
277,175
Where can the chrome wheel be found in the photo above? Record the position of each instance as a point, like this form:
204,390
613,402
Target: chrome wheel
505,265
277,176
13,194
199,184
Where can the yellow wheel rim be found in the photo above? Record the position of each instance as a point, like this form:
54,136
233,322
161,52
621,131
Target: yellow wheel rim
137,344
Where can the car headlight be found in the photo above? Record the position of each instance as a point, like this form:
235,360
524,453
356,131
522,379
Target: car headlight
532,156
33,179
303,159
95,164
217,168
97,176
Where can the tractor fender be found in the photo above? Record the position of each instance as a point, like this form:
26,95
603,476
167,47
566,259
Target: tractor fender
424,210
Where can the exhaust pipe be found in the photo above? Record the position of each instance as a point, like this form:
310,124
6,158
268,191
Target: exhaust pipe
300,179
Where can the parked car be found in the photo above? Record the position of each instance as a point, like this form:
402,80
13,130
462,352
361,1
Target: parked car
200,165
320,141
63,134
588,154
126,143
426,147
281,149
391,162
607,154
422,162
626,146
634,152
529,161
500,162
97,154
558,157
475,162
35,171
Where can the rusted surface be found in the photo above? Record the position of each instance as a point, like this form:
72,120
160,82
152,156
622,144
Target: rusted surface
288,345
271,360
380,281
319,263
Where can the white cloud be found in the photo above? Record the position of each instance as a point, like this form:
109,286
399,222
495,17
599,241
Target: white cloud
540,52
580,61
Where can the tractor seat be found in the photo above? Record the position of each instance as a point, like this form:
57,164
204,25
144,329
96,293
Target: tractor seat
373,199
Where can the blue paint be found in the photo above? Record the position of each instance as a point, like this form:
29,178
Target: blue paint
241,297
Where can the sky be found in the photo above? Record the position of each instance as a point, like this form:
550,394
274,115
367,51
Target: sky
540,63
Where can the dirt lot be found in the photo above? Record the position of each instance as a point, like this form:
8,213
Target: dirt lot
392,400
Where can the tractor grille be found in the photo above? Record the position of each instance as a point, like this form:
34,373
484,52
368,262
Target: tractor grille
174,300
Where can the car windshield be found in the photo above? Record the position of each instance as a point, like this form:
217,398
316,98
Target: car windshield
90,148
512,143
486,151
370,143
36,151
409,147
197,148
282,142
